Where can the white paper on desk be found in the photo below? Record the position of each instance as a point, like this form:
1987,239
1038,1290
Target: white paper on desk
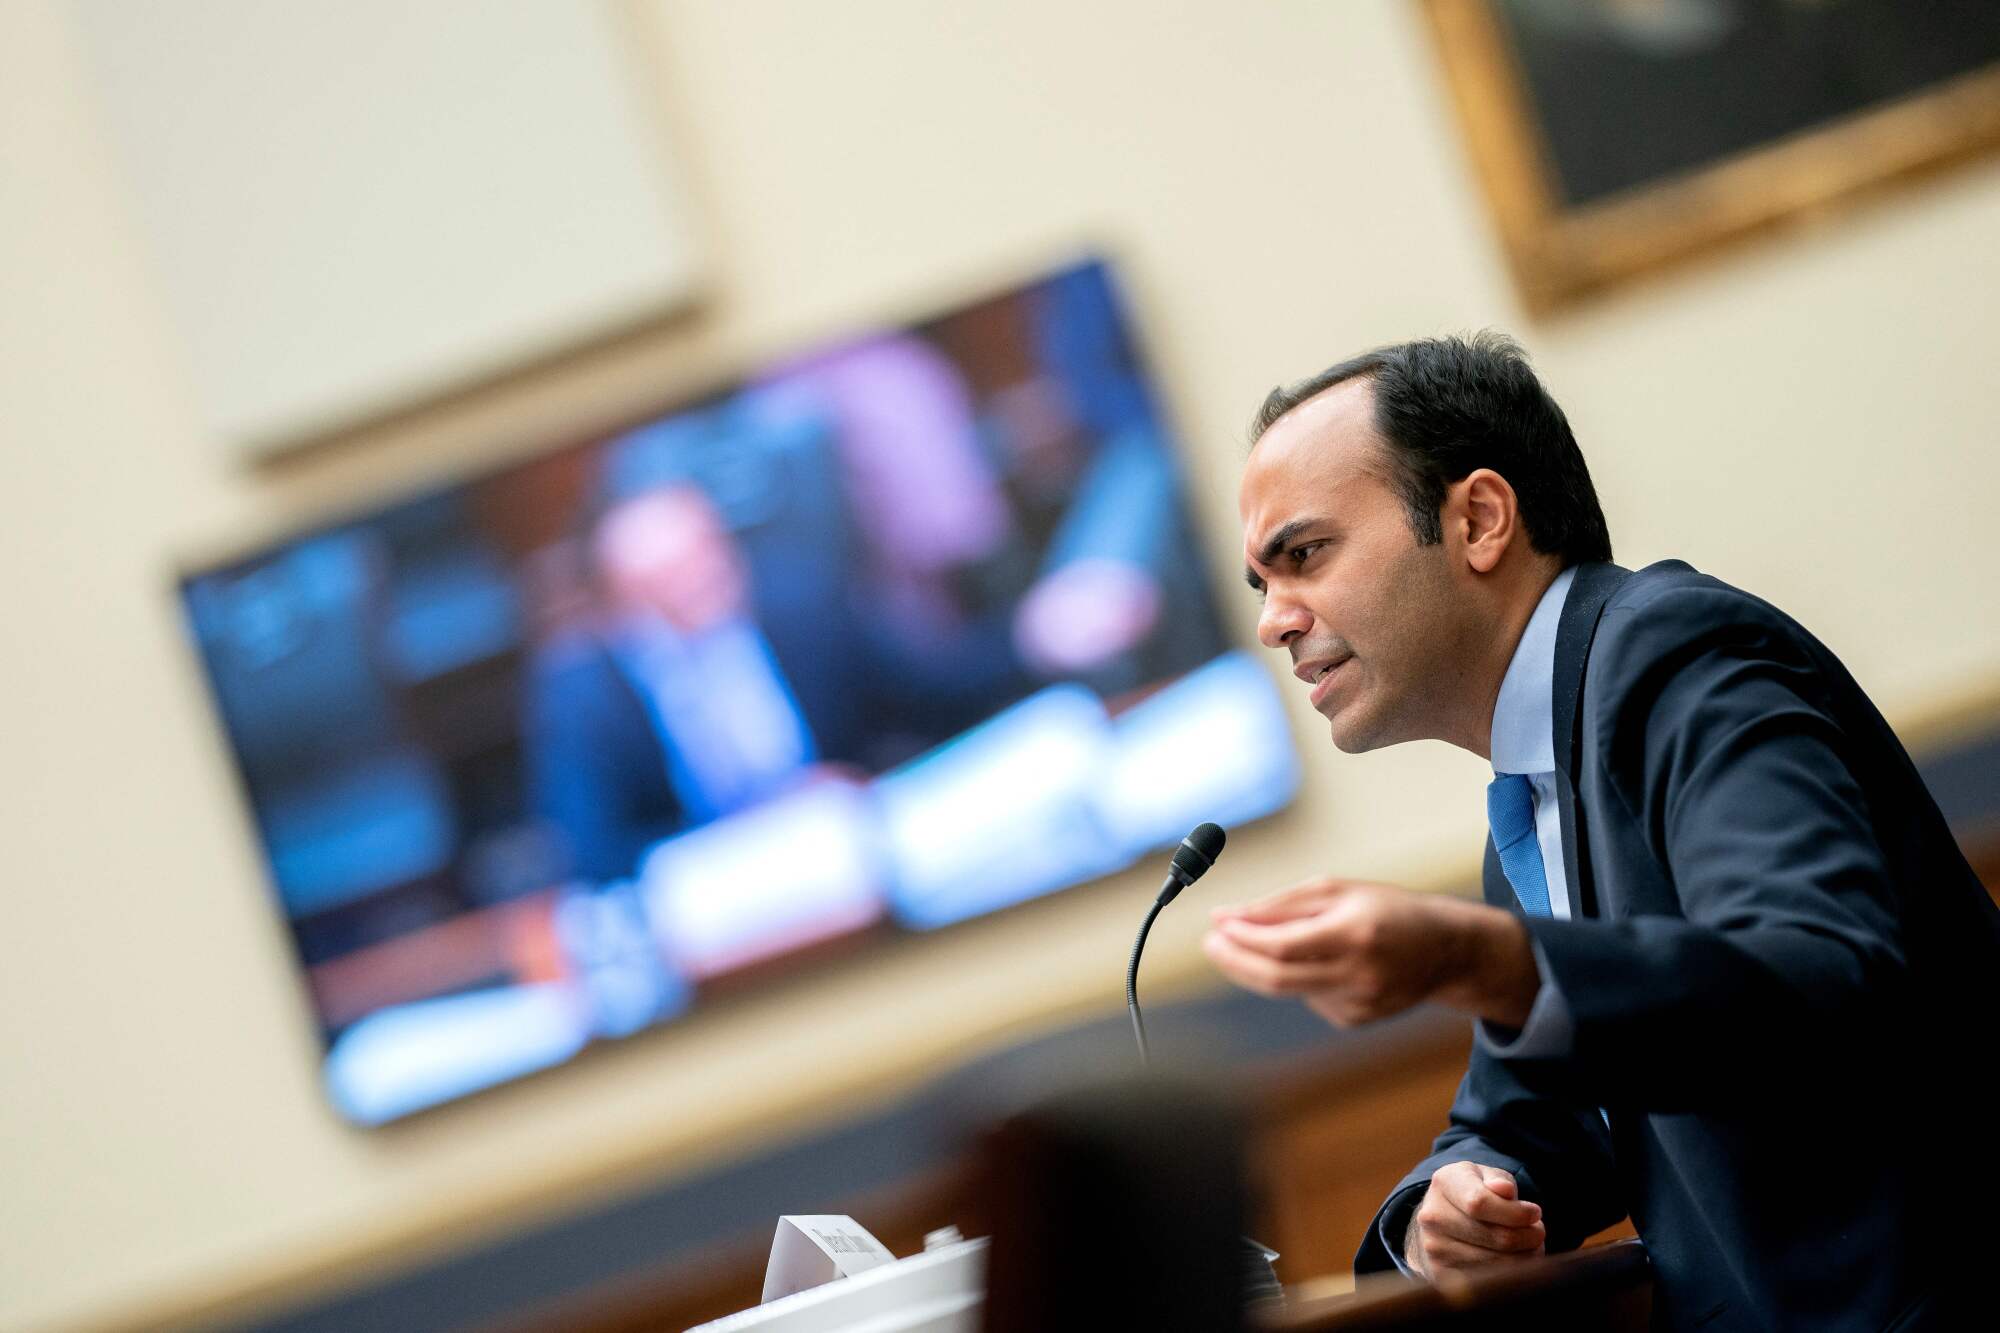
813,1248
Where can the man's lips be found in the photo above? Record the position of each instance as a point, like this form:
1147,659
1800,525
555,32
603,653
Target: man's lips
1307,671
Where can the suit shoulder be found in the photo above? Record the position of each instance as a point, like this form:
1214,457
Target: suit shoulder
1673,602
1673,589
1669,615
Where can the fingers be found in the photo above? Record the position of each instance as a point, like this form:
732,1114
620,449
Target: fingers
1476,1191
1437,1253
1317,921
1323,957
1266,975
1299,900
1455,1226
1473,1214
1299,938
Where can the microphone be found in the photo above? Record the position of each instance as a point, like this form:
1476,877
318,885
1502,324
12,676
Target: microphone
1192,860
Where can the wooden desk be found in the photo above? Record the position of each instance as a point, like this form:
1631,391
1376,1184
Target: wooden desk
1603,1287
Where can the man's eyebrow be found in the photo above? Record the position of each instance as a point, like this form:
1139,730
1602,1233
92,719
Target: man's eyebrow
1274,546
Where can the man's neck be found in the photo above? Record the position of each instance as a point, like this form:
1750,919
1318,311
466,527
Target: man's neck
1517,608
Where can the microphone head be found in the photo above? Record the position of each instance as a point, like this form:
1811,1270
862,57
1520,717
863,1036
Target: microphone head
1197,852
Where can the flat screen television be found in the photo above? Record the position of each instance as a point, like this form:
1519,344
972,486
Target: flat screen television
893,634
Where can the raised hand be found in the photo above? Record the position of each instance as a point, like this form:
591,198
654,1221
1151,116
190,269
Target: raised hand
1356,952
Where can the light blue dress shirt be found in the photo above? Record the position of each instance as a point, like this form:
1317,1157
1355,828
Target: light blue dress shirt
1523,719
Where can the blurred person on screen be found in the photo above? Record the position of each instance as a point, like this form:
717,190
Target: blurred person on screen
669,709
1726,934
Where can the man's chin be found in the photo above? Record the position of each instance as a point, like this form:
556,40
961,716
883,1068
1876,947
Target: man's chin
1354,733
1349,739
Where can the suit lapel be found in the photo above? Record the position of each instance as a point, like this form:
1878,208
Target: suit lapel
1588,592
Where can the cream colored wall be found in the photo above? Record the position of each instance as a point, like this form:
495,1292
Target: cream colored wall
1811,418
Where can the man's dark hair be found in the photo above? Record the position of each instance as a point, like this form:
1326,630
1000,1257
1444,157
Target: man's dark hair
1448,406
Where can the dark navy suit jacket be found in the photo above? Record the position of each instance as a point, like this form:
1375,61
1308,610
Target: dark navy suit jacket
1779,965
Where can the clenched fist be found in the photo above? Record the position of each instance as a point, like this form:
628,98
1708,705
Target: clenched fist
1472,1215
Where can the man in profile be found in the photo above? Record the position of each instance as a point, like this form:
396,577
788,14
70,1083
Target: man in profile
1729,949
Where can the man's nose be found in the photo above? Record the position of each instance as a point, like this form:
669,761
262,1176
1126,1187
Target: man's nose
1281,621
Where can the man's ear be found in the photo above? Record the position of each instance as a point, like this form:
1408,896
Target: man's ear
1488,516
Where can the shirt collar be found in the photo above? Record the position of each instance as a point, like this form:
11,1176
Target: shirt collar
1524,712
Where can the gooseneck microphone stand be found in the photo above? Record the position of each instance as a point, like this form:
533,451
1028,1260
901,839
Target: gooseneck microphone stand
1192,859
1132,982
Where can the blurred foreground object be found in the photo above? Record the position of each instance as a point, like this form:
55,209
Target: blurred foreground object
827,1274
1615,138
1119,1206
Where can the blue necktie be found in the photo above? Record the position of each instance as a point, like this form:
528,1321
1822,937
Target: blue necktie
1510,811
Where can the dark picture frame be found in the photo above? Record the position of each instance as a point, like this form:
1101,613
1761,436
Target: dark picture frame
1757,139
